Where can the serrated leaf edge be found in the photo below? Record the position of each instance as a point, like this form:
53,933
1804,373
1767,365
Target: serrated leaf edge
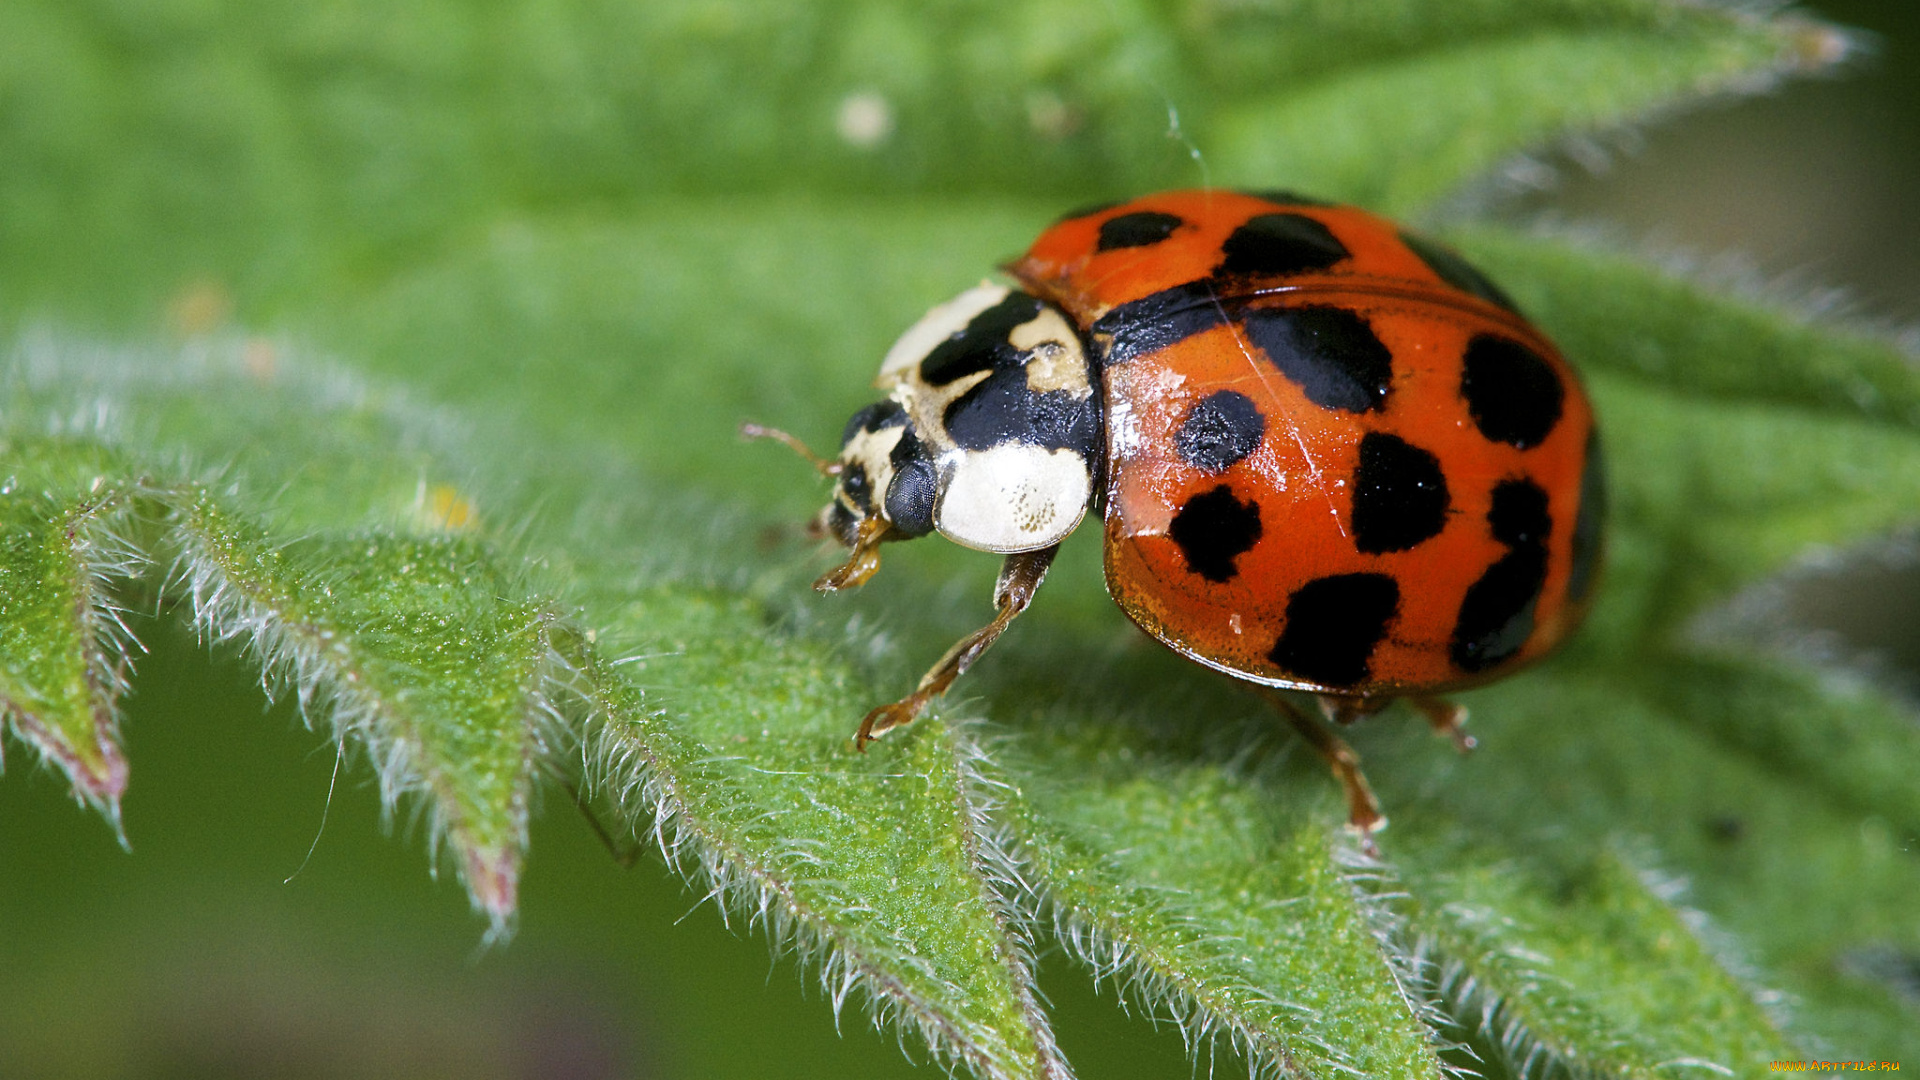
1158,986
1526,1054
1809,47
637,768
103,555
314,664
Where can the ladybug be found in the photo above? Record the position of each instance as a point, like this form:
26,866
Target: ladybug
1328,454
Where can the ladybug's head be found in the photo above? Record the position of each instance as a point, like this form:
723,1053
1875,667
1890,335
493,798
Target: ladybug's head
885,489
989,435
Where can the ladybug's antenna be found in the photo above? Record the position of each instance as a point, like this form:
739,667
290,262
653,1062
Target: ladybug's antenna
822,465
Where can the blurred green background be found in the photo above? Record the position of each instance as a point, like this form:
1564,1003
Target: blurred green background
190,957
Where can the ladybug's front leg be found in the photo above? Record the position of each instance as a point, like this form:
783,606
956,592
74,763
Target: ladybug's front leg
1020,577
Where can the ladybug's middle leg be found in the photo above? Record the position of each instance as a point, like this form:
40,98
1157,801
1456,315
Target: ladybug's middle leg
1345,709
1363,810
1020,577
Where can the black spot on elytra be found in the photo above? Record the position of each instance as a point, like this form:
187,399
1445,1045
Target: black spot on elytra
1157,321
1399,495
909,498
982,344
1142,229
1333,624
1004,409
1512,392
1213,530
1279,244
1329,351
1588,524
1519,514
880,414
1287,198
1219,430
1456,271
1496,616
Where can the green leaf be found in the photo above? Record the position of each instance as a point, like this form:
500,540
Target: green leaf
422,657
459,681
1733,492
1437,108
1739,836
300,153
1596,971
881,868
65,518
1220,900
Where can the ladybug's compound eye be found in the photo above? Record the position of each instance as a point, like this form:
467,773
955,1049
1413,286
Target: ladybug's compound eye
915,485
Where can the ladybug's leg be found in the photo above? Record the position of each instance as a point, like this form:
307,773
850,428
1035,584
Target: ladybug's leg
1447,718
1020,576
1344,710
1363,810
862,562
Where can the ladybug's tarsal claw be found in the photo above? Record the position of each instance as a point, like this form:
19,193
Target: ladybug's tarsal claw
862,563
887,717
1367,844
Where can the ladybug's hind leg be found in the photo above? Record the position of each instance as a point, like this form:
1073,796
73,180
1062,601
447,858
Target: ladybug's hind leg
1020,578
1363,810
